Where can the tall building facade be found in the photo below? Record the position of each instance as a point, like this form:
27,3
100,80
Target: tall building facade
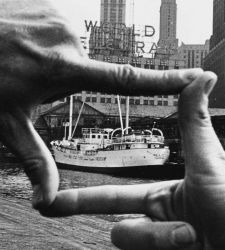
218,23
215,60
168,26
112,37
113,11
193,54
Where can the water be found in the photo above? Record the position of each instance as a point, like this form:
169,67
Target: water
14,183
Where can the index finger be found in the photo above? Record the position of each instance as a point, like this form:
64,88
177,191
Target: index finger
112,78
58,65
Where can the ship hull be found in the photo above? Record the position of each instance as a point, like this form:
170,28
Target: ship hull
110,161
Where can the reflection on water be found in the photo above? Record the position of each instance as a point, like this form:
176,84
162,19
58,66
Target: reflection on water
14,182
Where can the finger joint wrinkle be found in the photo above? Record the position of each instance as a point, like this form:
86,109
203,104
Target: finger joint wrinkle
32,168
127,77
203,115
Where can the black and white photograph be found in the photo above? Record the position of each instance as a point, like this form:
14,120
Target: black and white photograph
112,124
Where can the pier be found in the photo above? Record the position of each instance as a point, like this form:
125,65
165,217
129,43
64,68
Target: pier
21,227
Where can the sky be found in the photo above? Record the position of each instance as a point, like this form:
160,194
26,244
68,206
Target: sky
194,17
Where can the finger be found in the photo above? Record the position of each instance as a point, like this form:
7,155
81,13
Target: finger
18,134
154,199
200,142
144,234
204,160
120,79
58,65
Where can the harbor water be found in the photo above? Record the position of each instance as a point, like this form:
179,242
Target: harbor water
14,183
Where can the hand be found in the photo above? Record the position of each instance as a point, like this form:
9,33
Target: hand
179,214
41,60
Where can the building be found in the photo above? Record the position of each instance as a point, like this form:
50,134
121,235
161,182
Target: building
113,11
218,23
56,118
193,54
112,37
215,60
168,42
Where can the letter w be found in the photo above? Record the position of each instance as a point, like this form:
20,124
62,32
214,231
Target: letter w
90,25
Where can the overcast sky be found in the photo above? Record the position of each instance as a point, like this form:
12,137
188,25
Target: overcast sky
194,17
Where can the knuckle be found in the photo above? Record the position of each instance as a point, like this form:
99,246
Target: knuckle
155,203
33,169
126,76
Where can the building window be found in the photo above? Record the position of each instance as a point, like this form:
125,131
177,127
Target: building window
109,100
131,101
165,103
88,99
94,99
152,66
137,102
151,102
160,103
166,67
123,100
145,102
102,100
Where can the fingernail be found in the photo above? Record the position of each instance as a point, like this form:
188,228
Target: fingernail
192,74
183,236
209,86
37,197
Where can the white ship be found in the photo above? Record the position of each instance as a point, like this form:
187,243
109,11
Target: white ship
108,150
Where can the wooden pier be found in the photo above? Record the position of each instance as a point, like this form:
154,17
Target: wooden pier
21,227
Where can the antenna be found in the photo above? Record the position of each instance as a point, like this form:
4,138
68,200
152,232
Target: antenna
131,14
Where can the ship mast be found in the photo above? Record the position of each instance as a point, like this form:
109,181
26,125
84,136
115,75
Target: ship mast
120,113
70,118
127,114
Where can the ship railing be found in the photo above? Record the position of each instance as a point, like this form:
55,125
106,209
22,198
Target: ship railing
93,131
139,139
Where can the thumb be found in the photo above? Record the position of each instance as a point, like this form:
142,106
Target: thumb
200,142
19,135
143,234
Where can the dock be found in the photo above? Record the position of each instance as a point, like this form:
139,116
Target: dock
21,227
